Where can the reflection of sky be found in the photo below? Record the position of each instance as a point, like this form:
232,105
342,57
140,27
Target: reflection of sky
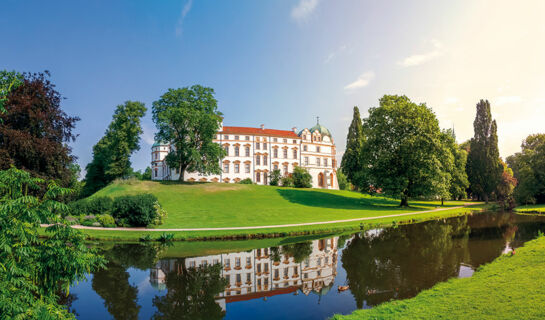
305,307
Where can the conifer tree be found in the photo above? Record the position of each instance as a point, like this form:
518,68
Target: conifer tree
351,163
484,168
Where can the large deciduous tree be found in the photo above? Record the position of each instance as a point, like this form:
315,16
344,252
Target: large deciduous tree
35,131
403,154
484,168
459,182
351,161
529,170
111,155
188,118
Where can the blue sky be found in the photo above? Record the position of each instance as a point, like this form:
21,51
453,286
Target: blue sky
282,63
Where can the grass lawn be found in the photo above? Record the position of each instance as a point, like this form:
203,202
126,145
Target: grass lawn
231,205
511,287
531,208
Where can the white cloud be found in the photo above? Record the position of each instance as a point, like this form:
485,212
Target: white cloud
503,100
362,81
335,53
185,11
303,10
421,58
147,135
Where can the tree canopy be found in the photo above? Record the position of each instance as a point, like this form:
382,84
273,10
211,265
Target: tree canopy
9,80
529,169
403,154
35,131
111,155
188,118
459,182
484,169
351,161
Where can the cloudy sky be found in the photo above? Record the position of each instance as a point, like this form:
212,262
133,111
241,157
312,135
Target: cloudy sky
282,63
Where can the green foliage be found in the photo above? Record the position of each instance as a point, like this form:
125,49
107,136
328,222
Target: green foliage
161,214
484,169
97,205
274,177
9,80
457,170
106,220
403,154
136,210
287,181
165,237
246,181
299,251
33,269
505,189
351,162
301,178
146,238
342,181
111,155
147,174
529,169
189,119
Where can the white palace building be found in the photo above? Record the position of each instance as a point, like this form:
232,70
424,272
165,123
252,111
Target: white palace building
255,152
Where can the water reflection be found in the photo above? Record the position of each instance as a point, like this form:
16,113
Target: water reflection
297,280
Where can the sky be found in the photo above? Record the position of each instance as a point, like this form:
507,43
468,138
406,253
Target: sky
283,63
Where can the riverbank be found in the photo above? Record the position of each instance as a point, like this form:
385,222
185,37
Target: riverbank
531,208
511,287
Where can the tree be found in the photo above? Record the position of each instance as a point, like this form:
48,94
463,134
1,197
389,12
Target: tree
111,155
341,179
529,169
351,161
188,118
274,177
403,154
458,175
484,169
35,131
9,80
34,270
147,174
506,187
301,178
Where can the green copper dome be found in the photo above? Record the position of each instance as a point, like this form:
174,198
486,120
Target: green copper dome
157,144
321,129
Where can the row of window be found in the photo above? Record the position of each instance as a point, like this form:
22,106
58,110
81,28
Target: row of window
236,168
247,138
318,162
237,151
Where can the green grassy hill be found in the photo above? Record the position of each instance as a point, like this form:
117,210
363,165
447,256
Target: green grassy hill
234,205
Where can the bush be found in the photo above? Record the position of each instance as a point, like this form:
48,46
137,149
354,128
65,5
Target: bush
88,223
301,178
246,181
342,181
137,211
161,214
275,177
106,220
287,181
98,205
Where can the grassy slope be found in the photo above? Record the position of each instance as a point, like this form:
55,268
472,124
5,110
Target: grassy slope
511,287
531,208
230,205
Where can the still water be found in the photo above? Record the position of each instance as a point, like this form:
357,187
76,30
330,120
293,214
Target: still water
293,280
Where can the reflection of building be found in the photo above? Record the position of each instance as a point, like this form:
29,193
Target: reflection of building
254,274
255,152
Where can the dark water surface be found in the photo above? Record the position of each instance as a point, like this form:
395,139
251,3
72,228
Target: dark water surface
295,281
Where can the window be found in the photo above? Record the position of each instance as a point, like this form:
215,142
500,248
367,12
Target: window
225,168
216,261
286,271
275,167
306,276
247,138
259,282
237,262
259,267
306,161
317,148
225,137
266,267
294,154
248,261
192,264
236,137
294,141
177,170
318,161
226,148
227,263
326,260
304,137
258,160
237,151
266,281
319,262
237,168
248,277
305,148
156,156
247,168
258,176
276,274
265,178
239,278
275,140
295,270
264,145
275,153
265,160
285,140
155,172
285,153
325,162
257,145
247,151
285,169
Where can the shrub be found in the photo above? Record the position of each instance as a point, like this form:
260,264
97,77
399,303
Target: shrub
301,178
287,181
146,238
166,237
246,181
98,205
106,220
342,181
88,223
71,220
161,214
137,210
275,177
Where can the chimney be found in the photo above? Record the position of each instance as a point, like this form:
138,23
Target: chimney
294,129
262,127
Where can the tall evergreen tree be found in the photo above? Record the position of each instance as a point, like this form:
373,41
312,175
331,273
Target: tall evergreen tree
484,168
111,155
351,162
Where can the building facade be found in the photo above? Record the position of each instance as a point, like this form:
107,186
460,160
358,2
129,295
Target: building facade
255,152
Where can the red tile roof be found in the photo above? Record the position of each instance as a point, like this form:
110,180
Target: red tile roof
259,131
260,294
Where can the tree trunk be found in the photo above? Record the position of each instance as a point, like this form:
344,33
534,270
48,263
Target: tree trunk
181,176
404,200
442,202
486,198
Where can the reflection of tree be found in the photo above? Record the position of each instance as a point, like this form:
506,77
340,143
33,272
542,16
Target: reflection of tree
191,293
398,263
120,298
299,251
67,300
141,257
